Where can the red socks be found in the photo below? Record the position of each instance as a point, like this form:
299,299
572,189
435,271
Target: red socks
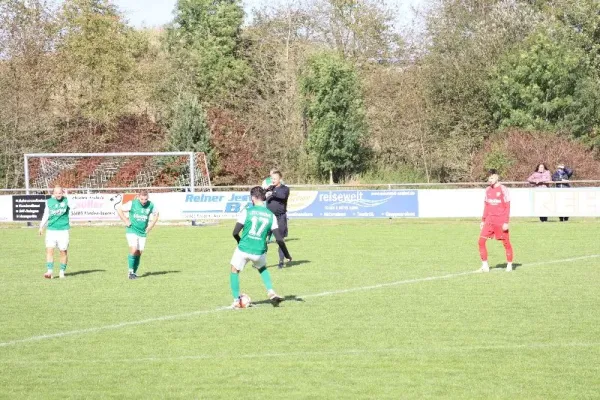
508,248
483,249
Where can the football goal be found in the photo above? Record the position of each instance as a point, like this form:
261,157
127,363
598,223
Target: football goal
96,171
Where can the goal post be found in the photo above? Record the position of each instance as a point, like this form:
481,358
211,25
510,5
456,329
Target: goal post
172,170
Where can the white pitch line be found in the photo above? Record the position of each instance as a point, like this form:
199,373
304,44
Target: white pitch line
109,327
437,278
304,354
383,285
322,294
560,261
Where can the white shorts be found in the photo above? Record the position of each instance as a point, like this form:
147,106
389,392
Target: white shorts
136,241
239,260
58,239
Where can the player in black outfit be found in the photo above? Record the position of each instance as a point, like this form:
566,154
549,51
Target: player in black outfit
277,203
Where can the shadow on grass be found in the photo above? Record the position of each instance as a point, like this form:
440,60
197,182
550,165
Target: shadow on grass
503,266
291,297
286,240
291,264
84,272
157,273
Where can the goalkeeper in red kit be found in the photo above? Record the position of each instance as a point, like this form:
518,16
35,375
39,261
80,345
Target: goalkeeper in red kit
494,224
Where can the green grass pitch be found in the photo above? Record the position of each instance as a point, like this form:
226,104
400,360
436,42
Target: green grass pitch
371,324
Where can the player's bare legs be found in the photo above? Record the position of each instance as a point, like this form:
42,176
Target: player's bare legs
49,262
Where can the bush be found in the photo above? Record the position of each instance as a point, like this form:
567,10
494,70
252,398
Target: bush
399,175
499,159
516,153
236,153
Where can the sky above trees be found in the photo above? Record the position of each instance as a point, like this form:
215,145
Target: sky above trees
159,12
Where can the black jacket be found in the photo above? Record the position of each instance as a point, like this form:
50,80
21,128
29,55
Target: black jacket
277,201
561,174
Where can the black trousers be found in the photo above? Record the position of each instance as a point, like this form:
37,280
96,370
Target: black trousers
282,222
283,228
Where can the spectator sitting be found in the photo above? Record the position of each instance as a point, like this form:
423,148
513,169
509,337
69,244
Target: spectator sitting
562,174
540,178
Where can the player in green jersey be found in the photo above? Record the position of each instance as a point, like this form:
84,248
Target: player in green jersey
141,219
56,216
255,223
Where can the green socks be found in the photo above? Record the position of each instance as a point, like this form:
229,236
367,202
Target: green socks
234,282
266,278
131,261
50,266
63,267
136,263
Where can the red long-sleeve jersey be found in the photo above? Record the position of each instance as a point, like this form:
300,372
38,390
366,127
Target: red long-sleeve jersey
497,205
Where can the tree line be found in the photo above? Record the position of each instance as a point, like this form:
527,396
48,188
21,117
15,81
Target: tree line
327,90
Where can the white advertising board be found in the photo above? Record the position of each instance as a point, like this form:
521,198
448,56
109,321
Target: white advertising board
428,203
6,209
95,207
468,203
566,202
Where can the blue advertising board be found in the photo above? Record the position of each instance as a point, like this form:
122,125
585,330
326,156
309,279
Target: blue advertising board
301,204
216,205
354,204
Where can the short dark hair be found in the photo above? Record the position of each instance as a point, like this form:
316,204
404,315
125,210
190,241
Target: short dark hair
143,193
278,173
493,171
258,193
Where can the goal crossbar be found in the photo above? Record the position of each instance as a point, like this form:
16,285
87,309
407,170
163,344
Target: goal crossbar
122,154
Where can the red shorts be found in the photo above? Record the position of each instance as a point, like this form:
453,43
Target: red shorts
494,231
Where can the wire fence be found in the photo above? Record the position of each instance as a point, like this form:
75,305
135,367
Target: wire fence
242,188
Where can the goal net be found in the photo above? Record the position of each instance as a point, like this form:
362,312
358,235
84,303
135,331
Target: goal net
156,171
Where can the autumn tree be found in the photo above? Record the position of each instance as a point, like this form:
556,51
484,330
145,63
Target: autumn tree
28,33
97,62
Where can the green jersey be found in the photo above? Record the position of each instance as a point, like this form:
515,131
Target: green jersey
257,221
139,216
58,214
